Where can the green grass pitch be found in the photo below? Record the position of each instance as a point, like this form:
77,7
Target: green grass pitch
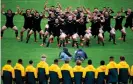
13,49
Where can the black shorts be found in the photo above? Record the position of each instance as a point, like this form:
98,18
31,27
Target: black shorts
38,30
94,31
81,33
70,33
106,28
56,34
9,25
118,27
28,27
128,25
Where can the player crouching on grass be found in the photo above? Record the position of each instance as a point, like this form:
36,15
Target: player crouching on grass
9,21
75,40
100,37
65,55
87,37
80,55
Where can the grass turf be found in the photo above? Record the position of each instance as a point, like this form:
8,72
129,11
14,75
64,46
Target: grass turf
13,49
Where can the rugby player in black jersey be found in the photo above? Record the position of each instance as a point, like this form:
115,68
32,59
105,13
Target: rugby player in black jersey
118,25
9,21
28,22
129,19
36,26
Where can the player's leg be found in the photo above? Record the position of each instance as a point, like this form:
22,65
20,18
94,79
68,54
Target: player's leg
120,28
48,43
62,39
21,33
123,31
58,40
88,42
81,40
57,34
132,28
28,31
87,39
124,37
75,41
35,40
16,31
40,36
44,35
100,39
2,31
67,37
110,36
108,30
28,37
113,37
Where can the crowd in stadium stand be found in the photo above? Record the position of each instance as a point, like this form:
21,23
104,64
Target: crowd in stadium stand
112,73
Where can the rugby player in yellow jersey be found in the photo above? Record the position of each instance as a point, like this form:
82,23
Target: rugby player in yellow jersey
7,73
100,73
31,74
43,70
112,71
124,71
89,73
19,72
131,74
67,73
78,72
55,73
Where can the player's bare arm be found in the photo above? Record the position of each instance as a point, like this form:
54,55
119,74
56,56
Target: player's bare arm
2,9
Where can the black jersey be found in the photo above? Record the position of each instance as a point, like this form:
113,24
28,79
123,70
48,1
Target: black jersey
63,26
119,20
118,24
37,21
51,20
108,21
82,28
56,29
129,17
95,25
28,20
69,26
9,18
75,26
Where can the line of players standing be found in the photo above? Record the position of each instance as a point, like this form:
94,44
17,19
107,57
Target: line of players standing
69,24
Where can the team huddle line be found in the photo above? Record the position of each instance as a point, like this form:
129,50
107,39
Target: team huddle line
112,73
68,25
